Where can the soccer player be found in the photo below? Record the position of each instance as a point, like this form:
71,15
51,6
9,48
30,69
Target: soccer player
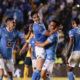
73,53
40,34
8,37
50,46
28,61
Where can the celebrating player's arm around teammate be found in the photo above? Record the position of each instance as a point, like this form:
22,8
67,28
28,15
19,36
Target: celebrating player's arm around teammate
8,37
73,53
40,34
50,46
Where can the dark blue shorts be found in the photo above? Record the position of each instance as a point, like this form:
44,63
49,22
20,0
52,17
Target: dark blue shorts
28,61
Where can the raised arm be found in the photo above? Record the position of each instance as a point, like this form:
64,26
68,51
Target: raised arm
42,44
23,48
27,36
48,33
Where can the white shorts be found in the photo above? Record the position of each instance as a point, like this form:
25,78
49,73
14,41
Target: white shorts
40,52
48,65
74,59
7,65
34,63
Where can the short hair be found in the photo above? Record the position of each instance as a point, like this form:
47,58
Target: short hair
76,20
30,22
57,22
33,12
9,19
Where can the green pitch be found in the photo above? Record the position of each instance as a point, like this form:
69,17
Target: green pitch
54,78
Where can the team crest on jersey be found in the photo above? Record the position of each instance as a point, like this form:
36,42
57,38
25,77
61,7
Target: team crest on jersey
39,29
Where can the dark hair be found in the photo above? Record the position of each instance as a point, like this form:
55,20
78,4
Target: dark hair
9,19
33,12
57,22
30,22
76,20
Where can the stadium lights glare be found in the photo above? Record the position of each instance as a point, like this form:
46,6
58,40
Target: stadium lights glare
78,5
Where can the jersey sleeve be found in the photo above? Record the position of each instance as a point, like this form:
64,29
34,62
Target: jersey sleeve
20,35
52,38
71,33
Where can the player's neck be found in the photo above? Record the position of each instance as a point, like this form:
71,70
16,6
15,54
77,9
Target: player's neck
8,29
37,22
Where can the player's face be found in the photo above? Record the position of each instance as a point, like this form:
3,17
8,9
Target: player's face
74,24
36,18
52,26
11,25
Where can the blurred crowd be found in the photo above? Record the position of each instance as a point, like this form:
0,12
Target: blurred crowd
61,10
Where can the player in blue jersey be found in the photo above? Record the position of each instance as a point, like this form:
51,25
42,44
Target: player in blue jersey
8,37
32,51
73,53
50,45
40,35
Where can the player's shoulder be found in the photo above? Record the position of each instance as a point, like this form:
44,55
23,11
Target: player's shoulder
71,30
3,29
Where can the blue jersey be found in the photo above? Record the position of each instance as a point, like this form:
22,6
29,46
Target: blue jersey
39,31
51,49
7,42
32,44
76,34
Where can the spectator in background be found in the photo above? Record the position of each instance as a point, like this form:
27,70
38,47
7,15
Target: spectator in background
18,16
1,16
